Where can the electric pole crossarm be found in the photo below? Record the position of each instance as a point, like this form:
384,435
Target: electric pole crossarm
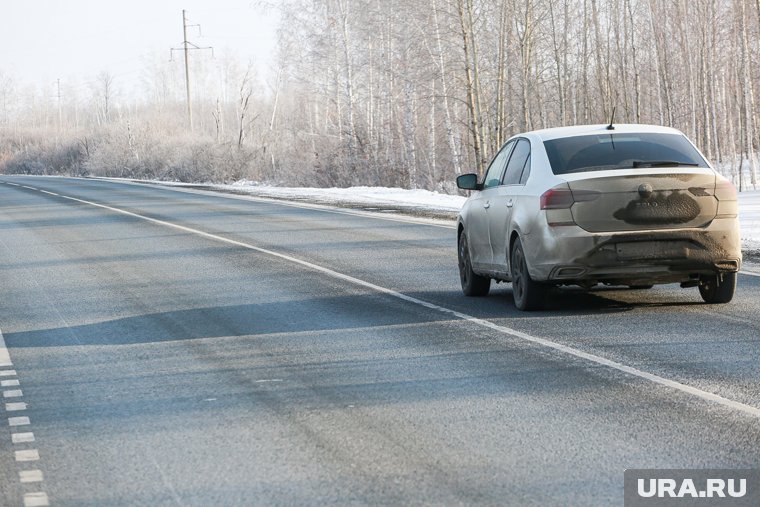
191,47
188,46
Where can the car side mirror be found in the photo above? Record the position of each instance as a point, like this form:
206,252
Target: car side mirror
468,182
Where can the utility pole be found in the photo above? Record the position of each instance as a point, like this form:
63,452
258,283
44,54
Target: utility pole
60,114
186,47
187,70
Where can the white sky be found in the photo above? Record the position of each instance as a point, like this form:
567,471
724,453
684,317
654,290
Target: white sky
74,40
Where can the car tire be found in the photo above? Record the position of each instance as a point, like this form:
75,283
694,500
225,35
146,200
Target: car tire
473,284
715,290
528,294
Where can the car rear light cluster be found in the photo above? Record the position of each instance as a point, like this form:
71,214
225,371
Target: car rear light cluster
725,190
561,197
725,193
557,198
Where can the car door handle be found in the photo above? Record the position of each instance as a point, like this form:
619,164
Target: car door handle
509,203
487,205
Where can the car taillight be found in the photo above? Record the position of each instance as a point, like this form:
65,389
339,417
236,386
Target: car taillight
725,190
557,198
725,193
561,197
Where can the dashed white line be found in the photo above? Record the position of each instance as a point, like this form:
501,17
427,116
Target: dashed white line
29,476
750,273
46,192
22,438
30,188
593,358
18,421
5,357
27,455
36,500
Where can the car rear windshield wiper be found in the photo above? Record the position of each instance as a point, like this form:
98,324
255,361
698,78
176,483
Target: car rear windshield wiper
662,163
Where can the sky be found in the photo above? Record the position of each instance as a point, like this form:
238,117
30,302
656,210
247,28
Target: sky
74,40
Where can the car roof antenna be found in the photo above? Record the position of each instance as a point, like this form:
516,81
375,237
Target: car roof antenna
612,118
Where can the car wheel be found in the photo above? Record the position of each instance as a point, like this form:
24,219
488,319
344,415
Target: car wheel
528,294
473,284
717,289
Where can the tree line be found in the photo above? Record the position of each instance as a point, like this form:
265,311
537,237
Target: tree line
411,94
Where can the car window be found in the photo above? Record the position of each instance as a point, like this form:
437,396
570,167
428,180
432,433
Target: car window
602,152
496,169
526,172
517,162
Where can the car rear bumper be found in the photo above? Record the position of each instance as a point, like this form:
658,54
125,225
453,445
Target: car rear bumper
569,254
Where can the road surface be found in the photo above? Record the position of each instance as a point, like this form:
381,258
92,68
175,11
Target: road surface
167,347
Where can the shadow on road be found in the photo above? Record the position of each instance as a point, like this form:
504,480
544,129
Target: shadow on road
321,313
265,318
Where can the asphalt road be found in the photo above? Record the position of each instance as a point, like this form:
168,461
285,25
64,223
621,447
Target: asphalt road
185,348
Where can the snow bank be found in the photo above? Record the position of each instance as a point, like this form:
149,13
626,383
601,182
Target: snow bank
749,218
370,196
434,203
749,202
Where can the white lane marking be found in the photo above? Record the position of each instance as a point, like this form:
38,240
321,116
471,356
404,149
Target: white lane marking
28,476
22,438
36,500
327,208
5,357
14,184
266,380
27,455
705,395
433,222
30,188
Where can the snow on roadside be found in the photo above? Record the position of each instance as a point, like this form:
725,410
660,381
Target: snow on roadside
422,201
370,196
749,219
749,202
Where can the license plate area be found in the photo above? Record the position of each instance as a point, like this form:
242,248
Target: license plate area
650,250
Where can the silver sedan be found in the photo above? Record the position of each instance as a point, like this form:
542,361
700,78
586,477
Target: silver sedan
630,205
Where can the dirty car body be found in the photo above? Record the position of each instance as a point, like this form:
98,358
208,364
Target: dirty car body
631,205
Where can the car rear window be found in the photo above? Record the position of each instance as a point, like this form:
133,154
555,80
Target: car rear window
603,152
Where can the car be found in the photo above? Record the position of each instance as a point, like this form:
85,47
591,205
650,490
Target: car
628,205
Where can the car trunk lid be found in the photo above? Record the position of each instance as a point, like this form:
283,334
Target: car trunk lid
655,199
